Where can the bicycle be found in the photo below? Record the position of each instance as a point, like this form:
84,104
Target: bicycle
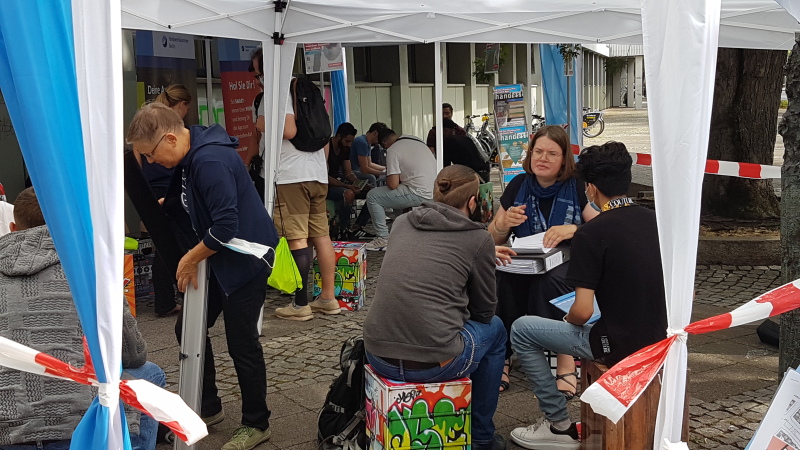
593,123
537,122
483,138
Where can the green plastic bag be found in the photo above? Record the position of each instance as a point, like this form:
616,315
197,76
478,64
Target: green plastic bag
285,276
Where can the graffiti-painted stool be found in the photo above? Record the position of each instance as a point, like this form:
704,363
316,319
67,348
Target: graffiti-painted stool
350,279
417,415
636,429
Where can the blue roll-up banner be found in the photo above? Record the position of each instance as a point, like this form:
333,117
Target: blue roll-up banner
339,87
554,84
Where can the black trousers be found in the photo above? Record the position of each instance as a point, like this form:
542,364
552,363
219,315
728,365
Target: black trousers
520,295
241,309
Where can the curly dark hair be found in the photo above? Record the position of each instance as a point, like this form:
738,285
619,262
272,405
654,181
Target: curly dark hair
606,166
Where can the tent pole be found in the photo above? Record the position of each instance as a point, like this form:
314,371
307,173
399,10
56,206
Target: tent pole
209,86
531,108
193,345
437,107
275,144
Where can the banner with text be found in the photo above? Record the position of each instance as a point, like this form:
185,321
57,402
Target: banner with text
512,127
323,57
163,59
239,90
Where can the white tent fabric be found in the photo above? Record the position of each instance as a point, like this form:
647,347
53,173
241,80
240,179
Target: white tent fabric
101,122
682,35
744,24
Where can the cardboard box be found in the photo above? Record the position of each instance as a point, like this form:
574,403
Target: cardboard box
143,270
431,416
350,277
129,283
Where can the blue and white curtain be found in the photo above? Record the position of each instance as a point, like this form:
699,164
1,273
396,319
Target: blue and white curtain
61,78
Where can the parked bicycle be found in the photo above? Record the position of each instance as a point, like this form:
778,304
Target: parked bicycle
537,122
483,138
593,123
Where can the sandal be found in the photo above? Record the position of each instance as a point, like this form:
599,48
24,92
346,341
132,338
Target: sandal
569,395
504,383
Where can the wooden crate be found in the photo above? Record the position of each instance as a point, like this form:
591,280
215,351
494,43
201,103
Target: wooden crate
636,429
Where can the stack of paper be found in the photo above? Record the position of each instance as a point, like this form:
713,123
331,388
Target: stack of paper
523,265
530,244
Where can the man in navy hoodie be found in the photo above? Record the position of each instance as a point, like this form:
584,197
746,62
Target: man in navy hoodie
226,212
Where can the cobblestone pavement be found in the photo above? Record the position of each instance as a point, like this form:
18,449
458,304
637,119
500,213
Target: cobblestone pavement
732,380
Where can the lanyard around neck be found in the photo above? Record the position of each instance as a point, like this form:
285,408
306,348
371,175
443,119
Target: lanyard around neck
618,203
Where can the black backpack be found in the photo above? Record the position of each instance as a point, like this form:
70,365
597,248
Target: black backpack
313,123
340,423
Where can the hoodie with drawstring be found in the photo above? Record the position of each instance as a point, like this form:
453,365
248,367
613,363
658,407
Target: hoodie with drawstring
438,273
223,204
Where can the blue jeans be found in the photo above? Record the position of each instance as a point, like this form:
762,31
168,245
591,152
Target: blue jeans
148,427
530,337
482,359
383,197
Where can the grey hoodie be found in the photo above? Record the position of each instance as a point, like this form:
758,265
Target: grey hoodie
36,310
438,273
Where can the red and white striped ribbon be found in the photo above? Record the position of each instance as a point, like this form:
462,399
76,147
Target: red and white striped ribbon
715,167
613,393
158,403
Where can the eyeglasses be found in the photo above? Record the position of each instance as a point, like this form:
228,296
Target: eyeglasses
150,155
548,156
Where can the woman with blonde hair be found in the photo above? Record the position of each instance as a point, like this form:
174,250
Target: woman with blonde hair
177,97
548,199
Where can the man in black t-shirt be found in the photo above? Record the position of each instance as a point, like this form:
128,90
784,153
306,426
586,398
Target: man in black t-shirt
616,260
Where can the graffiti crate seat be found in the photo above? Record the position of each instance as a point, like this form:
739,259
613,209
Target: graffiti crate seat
417,416
350,277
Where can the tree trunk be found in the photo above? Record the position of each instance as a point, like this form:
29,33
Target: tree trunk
790,209
747,94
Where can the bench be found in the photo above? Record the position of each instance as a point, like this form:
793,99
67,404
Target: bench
636,429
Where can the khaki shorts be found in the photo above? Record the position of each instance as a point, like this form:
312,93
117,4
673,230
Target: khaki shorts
300,212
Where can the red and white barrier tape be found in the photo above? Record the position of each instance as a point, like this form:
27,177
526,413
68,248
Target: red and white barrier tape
620,386
158,403
714,167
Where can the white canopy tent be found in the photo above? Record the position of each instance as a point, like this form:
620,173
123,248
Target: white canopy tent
680,38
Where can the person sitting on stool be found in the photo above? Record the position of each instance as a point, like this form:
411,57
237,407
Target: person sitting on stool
432,318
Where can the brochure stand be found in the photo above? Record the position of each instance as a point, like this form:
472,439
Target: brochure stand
512,126
193,347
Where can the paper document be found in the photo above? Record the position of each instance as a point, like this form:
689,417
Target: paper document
565,302
530,244
528,266
780,429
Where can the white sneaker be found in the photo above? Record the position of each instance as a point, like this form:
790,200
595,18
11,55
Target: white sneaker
378,244
545,437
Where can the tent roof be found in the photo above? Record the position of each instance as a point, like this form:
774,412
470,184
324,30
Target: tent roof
744,23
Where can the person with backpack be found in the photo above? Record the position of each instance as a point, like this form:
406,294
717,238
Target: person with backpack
432,317
301,214
410,171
